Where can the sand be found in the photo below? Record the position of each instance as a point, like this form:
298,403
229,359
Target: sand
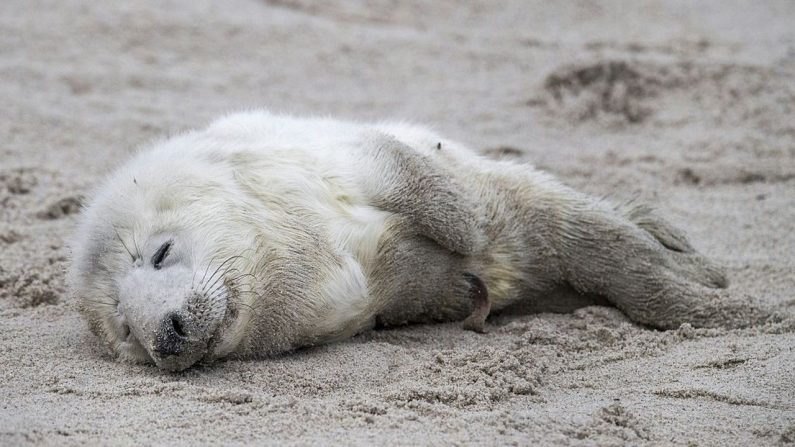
684,105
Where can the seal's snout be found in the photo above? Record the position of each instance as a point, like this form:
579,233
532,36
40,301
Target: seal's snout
172,336
173,319
181,338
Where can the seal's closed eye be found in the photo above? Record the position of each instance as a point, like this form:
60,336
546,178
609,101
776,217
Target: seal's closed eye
160,255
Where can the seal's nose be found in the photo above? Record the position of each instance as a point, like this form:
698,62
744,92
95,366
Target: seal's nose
171,337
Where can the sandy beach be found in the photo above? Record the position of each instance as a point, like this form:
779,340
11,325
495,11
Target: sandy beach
687,106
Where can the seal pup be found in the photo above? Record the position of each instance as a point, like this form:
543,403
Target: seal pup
265,233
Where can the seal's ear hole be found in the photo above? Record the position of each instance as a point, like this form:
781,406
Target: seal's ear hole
160,255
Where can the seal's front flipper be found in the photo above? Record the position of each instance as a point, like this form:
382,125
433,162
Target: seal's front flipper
479,293
403,181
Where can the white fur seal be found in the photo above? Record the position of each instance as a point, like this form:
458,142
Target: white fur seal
264,233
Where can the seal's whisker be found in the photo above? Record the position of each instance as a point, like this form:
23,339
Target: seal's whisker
235,296
220,266
256,311
213,287
219,287
219,291
258,297
221,278
250,308
261,304
229,269
217,269
241,276
231,281
193,279
135,244
252,292
241,255
118,236
259,248
206,269
103,303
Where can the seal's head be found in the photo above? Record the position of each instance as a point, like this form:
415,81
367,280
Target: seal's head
159,264
214,243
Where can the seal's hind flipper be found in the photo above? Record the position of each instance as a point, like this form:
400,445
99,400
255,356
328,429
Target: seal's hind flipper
646,268
479,293
667,234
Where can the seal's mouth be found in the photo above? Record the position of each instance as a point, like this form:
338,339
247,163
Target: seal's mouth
183,337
